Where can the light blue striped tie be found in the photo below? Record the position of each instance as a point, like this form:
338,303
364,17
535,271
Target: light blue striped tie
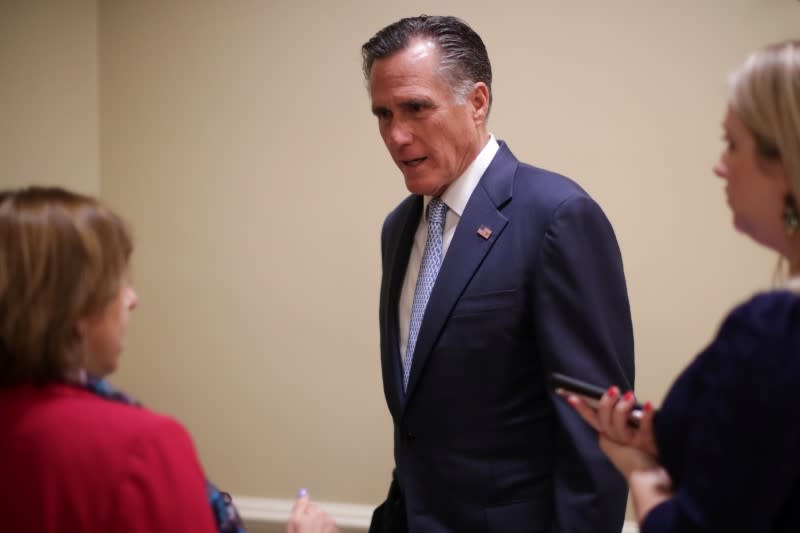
428,270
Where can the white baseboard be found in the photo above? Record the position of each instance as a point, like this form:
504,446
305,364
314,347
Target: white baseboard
271,510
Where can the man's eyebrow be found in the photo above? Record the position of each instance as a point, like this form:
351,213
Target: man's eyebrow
417,102
409,104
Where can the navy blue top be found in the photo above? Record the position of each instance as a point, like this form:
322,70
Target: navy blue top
729,430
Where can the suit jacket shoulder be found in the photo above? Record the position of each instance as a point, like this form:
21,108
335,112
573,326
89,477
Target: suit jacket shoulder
533,188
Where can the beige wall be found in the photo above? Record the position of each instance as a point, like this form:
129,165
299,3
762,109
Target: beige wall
48,94
237,139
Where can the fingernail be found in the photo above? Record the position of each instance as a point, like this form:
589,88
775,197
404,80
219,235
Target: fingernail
648,407
302,493
628,396
572,400
612,391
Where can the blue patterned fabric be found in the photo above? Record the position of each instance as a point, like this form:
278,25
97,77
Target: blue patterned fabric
225,513
428,270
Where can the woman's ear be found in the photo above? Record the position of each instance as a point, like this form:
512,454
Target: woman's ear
80,328
775,168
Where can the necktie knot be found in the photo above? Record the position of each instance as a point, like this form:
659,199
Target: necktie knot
437,210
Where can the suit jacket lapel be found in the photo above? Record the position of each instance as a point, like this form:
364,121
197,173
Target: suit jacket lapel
466,253
399,249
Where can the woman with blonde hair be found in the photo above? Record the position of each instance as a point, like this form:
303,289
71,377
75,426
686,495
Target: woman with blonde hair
75,455
722,452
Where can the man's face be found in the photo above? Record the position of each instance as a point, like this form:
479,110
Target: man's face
431,137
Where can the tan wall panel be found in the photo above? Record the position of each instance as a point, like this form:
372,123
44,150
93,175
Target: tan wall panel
48,94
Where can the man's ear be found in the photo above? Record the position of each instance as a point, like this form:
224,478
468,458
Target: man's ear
479,99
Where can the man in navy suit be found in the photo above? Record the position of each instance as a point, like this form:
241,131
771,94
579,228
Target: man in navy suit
530,281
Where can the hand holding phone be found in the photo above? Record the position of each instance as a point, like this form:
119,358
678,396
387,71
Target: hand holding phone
590,393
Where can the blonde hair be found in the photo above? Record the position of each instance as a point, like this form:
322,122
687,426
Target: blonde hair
62,257
765,95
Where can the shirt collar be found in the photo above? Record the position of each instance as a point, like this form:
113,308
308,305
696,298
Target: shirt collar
458,193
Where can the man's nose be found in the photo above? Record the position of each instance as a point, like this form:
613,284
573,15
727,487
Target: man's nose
399,134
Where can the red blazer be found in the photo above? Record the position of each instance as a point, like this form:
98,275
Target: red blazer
73,462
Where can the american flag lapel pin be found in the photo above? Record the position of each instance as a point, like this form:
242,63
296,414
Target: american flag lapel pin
484,232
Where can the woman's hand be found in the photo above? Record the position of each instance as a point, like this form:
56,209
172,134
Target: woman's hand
649,488
649,483
610,419
632,450
627,459
306,517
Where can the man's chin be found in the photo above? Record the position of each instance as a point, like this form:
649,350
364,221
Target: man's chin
421,186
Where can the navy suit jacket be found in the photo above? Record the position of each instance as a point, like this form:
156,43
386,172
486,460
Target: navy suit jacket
481,443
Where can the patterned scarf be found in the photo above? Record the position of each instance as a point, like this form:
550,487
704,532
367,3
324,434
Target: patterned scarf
225,513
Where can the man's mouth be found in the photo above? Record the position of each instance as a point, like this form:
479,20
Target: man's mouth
413,162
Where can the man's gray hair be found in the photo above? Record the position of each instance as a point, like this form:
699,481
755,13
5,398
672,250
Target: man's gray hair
464,60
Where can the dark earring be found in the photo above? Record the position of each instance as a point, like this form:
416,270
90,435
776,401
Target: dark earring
791,218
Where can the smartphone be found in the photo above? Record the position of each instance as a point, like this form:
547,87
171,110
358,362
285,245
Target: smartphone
591,393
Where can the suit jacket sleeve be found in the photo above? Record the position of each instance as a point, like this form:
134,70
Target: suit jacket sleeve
584,329
163,487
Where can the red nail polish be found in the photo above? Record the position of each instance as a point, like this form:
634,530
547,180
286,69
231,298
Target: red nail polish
648,407
628,396
612,391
